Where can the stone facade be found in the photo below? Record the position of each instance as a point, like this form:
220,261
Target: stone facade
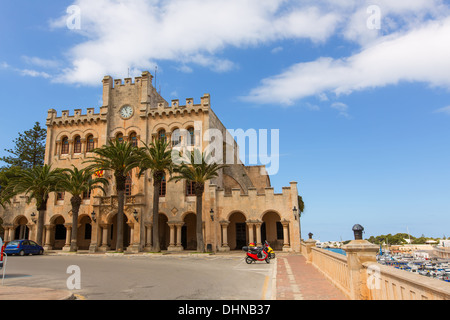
244,206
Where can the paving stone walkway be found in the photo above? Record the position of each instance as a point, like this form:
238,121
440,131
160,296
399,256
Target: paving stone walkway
298,280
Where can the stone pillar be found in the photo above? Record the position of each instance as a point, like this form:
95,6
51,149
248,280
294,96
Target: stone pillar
310,243
31,231
11,234
172,246
133,247
148,240
258,234
104,245
359,252
224,226
68,236
179,245
286,246
48,236
250,232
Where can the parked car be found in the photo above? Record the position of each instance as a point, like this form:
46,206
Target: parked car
23,247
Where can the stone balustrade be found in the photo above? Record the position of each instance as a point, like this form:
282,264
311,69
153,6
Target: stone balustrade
360,277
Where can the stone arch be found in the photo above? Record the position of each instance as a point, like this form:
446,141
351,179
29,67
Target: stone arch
59,231
237,230
21,228
112,238
272,229
164,231
84,234
189,231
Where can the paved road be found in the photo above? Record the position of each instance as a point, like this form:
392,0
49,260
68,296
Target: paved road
149,277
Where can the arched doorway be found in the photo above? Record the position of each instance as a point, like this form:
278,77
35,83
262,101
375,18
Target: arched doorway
21,232
113,232
272,230
60,233
189,232
84,234
237,231
164,231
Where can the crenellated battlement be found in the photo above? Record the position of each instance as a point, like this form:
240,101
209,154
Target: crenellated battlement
164,108
76,117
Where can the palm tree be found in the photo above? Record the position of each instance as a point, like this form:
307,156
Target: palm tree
121,158
78,182
156,158
198,171
36,183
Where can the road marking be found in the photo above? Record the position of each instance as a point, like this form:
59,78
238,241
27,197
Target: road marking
274,281
294,286
266,283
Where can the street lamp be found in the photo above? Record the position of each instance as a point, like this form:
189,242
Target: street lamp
211,213
93,216
295,212
358,231
135,214
33,217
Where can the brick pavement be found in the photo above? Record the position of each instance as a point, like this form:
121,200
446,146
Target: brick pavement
298,280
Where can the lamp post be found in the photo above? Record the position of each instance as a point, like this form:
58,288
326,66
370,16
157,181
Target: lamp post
136,215
358,231
93,216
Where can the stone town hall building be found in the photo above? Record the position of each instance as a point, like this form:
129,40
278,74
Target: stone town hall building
243,204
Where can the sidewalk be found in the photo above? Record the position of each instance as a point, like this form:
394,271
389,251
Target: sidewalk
298,280
27,293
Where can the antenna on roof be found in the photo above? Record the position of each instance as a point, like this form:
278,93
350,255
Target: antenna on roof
128,72
156,71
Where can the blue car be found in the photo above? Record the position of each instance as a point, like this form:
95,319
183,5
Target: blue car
23,247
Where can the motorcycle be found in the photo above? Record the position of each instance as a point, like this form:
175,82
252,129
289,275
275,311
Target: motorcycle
269,250
256,254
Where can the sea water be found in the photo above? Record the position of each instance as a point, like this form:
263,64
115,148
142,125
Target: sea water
337,250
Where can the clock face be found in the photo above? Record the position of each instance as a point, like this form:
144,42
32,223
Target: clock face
126,112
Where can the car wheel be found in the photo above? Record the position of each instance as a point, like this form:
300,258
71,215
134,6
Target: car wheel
41,252
21,253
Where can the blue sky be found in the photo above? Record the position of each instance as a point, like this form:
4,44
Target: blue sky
358,89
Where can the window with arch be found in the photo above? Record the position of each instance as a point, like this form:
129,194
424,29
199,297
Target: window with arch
77,145
90,143
119,137
65,146
191,137
163,188
176,137
162,134
128,185
190,188
134,139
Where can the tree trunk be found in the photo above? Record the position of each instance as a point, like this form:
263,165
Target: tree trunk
120,219
40,227
120,188
76,203
156,191
42,208
199,207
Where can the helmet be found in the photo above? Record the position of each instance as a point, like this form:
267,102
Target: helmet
252,244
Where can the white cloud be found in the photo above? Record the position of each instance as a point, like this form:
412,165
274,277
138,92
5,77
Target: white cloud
418,55
342,108
34,73
137,33
445,110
